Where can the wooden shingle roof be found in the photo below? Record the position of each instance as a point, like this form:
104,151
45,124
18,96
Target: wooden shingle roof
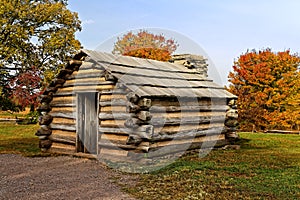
155,78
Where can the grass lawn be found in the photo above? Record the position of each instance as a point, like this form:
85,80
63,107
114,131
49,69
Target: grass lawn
266,167
19,139
13,115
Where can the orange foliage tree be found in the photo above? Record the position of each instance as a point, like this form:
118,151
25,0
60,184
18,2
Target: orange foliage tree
267,85
145,45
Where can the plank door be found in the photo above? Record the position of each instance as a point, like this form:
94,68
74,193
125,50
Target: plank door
87,122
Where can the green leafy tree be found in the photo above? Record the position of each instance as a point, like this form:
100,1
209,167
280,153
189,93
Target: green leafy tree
145,45
267,85
35,33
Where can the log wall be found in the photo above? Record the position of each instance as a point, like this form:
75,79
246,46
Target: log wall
64,109
186,123
112,116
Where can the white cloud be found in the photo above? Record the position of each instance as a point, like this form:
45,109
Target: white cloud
88,21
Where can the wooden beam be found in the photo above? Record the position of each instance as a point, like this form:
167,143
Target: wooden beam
113,109
187,134
64,94
186,120
62,148
63,127
112,123
115,91
107,116
124,131
63,109
114,102
180,148
63,100
67,115
63,105
63,139
185,127
86,82
59,120
190,114
121,139
159,109
112,152
119,147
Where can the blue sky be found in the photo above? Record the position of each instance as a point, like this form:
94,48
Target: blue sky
224,29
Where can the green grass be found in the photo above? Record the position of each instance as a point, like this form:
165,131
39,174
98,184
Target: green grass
19,139
13,115
266,167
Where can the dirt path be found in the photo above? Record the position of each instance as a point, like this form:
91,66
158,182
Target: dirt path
58,178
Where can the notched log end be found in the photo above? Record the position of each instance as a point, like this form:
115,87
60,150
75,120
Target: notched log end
134,140
45,120
145,103
45,144
44,108
44,131
132,97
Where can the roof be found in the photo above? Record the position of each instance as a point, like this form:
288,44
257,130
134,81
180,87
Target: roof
155,78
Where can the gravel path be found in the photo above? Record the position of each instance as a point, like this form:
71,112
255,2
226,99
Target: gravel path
58,178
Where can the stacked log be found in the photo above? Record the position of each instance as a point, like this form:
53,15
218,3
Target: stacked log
231,121
63,111
181,126
112,115
139,120
195,63
45,119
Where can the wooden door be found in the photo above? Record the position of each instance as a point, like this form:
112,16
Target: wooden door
87,122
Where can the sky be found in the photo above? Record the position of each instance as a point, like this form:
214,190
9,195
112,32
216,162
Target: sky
221,30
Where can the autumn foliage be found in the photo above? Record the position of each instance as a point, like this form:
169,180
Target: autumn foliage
25,88
145,45
268,87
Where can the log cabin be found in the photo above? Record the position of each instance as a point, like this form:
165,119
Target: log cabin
108,105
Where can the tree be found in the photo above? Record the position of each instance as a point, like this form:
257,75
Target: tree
145,45
26,88
267,85
35,33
